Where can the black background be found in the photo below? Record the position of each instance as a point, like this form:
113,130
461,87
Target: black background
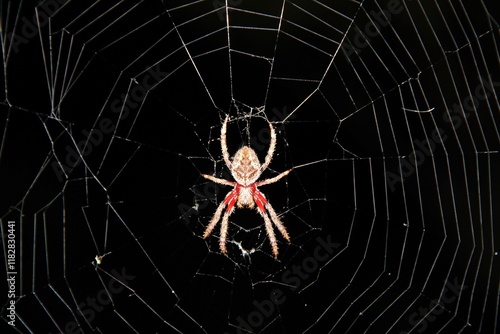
139,200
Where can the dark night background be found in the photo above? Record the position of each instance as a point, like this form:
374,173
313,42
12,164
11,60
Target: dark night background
146,85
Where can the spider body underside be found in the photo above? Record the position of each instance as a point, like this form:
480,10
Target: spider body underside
246,170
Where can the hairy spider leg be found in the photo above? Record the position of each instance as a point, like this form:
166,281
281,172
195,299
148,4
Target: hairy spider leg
223,143
231,197
258,198
230,200
270,151
270,233
276,220
262,205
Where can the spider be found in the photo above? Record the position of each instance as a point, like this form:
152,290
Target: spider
246,170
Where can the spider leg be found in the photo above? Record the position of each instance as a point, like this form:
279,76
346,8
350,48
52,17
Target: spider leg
270,233
262,205
273,179
270,151
214,220
218,180
223,143
276,220
223,231
229,201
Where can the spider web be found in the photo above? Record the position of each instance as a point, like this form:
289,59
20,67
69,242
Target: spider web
388,112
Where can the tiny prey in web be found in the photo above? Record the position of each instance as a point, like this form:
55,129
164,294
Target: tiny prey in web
246,170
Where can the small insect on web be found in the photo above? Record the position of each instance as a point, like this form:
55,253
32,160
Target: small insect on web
246,170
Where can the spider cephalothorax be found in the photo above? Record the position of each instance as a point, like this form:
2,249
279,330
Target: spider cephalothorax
246,170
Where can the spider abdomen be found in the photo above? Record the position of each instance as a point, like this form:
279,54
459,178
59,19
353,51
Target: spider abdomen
245,199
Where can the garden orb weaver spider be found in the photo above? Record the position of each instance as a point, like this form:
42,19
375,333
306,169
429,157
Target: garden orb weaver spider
246,170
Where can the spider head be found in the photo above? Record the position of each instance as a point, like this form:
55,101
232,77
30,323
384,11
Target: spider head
245,167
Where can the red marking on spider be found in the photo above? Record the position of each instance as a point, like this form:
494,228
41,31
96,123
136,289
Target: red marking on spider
246,170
